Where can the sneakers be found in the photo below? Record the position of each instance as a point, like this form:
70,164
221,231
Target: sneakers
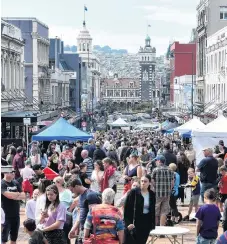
186,218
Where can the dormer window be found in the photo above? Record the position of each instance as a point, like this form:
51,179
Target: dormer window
117,84
131,85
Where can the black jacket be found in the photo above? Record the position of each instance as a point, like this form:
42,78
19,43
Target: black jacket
129,208
99,154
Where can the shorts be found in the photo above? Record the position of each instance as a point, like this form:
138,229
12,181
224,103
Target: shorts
202,240
194,200
11,227
223,197
162,206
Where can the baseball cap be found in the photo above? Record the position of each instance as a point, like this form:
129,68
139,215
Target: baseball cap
161,158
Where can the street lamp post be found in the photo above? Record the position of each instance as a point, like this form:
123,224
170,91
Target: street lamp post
192,89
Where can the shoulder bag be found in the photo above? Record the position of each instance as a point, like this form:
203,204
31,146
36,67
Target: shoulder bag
130,235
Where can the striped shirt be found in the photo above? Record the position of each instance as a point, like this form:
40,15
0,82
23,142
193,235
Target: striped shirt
90,166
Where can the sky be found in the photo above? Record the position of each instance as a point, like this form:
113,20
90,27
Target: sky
120,24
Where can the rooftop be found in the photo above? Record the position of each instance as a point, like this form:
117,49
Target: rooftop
26,19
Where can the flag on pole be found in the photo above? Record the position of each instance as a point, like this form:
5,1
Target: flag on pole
85,8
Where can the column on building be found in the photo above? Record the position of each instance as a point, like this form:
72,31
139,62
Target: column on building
35,61
6,76
3,67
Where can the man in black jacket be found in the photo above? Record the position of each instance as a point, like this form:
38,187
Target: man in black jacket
99,154
169,156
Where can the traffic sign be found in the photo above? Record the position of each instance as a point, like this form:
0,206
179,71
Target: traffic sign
27,121
78,110
84,124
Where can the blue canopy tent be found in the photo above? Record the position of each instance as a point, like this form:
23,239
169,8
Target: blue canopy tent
187,134
61,130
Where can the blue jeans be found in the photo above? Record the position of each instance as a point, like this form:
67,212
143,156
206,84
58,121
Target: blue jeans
206,186
201,240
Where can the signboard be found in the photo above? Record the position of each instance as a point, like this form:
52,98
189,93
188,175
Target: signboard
27,121
84,124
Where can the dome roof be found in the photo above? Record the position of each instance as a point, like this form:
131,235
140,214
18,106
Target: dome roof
84,33
148,38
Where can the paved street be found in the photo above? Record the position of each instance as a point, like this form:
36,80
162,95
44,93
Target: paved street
189,238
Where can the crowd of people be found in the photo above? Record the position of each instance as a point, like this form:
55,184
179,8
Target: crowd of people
81,201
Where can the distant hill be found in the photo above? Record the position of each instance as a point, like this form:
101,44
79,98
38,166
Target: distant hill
105,49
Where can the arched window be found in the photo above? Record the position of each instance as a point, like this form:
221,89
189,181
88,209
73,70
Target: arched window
142,58
145,58
84,47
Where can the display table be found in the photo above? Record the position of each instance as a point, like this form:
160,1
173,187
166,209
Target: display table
169,232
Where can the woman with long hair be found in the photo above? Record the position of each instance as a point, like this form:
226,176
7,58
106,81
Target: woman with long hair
53,217
65,196
96,176
139,212
41,200
183,164
70,166
110,176
133,169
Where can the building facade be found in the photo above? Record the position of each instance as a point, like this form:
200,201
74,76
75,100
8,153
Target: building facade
147,61
12,67
182,62
216,70
90,71
36,56
123,93
183,93
211,17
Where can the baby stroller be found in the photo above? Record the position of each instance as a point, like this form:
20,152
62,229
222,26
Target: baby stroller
174,216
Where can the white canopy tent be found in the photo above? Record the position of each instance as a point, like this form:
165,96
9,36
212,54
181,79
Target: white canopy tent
192,124
120,123
209,136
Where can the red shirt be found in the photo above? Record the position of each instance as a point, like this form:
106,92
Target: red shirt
223,184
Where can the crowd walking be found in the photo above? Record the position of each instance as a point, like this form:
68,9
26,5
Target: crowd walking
79,203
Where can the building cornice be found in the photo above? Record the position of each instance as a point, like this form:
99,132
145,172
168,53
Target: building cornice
27,19
217,45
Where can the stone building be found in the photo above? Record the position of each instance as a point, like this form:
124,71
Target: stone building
12,67
211,17
90,71
122,93
147,61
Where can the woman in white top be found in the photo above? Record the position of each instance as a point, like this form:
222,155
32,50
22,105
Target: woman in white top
97,176
35,156
41,200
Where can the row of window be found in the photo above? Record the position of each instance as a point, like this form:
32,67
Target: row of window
58,93
216,93
122,93
85,47
216,62
118,85
145,58
202,18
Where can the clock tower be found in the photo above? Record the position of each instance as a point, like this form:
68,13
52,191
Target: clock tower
147,61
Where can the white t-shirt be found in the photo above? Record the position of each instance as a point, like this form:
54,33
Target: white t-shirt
27,173
2,216
40,206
